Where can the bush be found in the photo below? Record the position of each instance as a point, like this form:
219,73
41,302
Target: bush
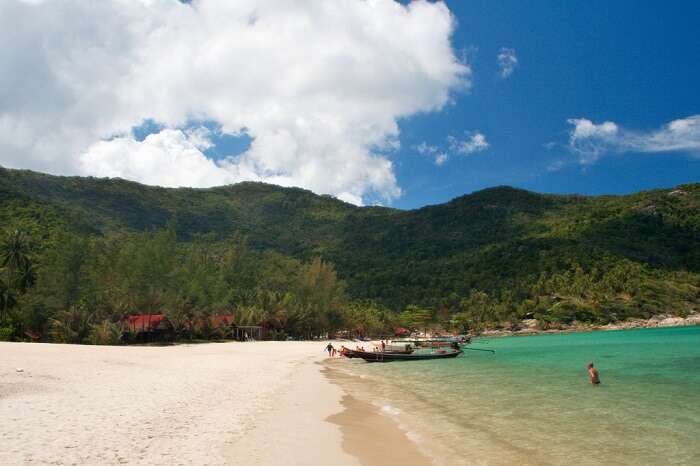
106,333
71,326
6,333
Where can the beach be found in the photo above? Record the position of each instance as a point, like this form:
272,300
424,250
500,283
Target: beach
286,403
215,403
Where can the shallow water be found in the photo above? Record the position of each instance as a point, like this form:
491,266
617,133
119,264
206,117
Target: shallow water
532,403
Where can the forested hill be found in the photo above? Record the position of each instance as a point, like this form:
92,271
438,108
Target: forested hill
604,257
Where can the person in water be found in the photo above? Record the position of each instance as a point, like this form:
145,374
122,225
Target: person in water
593,373
330,350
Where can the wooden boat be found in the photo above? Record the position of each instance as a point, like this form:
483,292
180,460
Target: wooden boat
426,342
379,356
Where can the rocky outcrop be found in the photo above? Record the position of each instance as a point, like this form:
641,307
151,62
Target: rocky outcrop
661,320
533,326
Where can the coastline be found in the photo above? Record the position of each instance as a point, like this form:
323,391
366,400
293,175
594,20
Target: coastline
532,326
371,433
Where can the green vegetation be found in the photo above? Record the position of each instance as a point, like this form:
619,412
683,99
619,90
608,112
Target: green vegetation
79,254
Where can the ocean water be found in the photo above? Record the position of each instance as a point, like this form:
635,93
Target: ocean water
532,403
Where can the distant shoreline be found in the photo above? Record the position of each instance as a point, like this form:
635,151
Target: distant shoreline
530,326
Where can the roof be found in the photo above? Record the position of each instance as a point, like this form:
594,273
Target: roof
146,322
222,320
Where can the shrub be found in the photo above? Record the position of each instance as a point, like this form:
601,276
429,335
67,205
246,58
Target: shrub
6,333
105,333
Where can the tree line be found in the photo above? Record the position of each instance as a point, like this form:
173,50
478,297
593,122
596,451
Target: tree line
78,289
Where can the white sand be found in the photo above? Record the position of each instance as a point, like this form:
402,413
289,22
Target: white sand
219,403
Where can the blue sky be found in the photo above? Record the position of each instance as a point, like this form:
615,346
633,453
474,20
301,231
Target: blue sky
634,63
404,104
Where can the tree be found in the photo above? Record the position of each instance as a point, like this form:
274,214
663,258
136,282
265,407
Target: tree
17,270
415,317
474,311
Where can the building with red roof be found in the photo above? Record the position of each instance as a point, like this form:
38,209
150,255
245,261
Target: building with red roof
147,324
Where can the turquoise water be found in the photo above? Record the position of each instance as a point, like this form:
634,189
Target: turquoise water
532,403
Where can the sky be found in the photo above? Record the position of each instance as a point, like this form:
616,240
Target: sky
401,104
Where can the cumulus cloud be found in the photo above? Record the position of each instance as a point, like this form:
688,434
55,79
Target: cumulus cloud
590,140
473,141
507,62
318,86
169,158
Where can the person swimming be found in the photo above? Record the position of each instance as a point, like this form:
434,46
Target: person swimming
593,373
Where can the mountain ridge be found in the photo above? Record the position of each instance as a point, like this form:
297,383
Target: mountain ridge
497,239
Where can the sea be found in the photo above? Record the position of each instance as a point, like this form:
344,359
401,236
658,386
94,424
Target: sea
531,401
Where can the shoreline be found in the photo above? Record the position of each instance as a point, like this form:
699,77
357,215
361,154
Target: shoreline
370,433
530,326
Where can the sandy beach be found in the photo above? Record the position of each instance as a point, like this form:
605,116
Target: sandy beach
216,403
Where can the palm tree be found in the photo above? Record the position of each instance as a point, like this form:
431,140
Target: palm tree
18,270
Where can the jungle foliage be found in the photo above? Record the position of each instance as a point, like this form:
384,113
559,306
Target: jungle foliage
78,254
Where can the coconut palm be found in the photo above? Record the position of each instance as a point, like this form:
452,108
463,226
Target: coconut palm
18,273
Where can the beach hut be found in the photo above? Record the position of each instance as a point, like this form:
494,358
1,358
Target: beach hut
223,321
148,327
223,325
248,332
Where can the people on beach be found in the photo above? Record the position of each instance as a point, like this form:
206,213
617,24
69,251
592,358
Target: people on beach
330,350
593,373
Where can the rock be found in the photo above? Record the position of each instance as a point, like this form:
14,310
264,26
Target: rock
678,192
658,318
19,369
529,323
672,322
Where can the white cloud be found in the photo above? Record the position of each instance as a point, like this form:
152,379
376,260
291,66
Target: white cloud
318,86
426,149
474,141
590,141
169,158
441,158
507,62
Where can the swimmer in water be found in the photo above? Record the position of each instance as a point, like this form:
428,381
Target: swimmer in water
593,373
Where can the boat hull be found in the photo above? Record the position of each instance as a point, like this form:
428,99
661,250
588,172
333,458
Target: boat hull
372,356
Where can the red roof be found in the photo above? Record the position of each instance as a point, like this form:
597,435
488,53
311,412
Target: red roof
222,320
145,322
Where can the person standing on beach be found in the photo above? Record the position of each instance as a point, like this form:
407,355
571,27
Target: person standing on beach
593,373
330,350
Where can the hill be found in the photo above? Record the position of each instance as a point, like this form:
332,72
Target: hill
506,250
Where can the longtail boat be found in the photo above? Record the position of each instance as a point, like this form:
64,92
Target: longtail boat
380,356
